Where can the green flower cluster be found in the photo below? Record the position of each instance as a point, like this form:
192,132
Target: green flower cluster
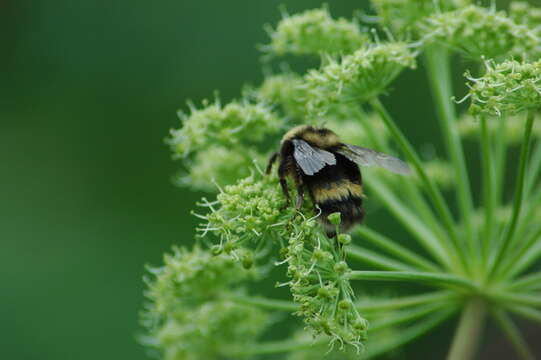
477,253
191,314
247,218
402,16
523,13
315,32
357,77
480,32
287,91
319,283
220,137
508,87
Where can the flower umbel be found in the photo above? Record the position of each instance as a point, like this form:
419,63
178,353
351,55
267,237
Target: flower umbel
319,283
192,313
468,254
481,32
315,32
509,87
358,77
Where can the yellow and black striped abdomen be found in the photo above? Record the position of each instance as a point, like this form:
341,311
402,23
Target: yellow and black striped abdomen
338,188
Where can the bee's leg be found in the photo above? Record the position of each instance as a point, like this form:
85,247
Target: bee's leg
272,160
300,197
285,189
282,174
300,192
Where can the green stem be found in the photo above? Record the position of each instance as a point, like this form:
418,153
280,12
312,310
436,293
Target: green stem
529,282
526,312
525,256
408,335
533,170
513,334
411,222
376,260
467,335
532,207
406,301
412,191
433,191
488,187
500,154
395,249
530,299
439,75
518,200
271,347
412,276
408,315
270,304
283,346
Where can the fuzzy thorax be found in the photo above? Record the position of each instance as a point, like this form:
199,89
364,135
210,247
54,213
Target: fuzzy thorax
320,137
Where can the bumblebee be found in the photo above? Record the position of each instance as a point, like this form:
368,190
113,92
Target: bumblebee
316,160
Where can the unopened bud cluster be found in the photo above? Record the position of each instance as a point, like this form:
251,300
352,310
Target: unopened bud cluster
315,32
509,87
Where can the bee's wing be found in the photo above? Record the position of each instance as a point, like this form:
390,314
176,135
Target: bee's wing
369,157
311,159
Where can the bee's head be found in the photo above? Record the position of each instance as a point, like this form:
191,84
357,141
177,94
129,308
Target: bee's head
317,136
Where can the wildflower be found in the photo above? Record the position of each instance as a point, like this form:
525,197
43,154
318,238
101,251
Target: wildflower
319,283
508,87
218,165
251,213
404,15
287,92
357,77
215,124
523,13
191,313
479,32
219,143
314,32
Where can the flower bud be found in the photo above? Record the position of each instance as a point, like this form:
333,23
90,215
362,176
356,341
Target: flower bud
344,239
314,32
335,218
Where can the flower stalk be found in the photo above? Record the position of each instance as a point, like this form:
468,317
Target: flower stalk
470,326
518,198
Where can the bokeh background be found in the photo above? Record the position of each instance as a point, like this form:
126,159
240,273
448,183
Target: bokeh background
88,91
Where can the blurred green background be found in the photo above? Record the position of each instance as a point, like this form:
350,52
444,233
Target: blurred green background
88,91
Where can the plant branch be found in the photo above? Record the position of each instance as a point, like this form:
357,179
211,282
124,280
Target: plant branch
518,200
409,315
402,302
376,260
533,169
271,347
530,299
265,303
526,312
411,276
467,335
433,191
439,75
488,188
526,255
529,282
513,334
409,334
415,226
395,249
500,157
